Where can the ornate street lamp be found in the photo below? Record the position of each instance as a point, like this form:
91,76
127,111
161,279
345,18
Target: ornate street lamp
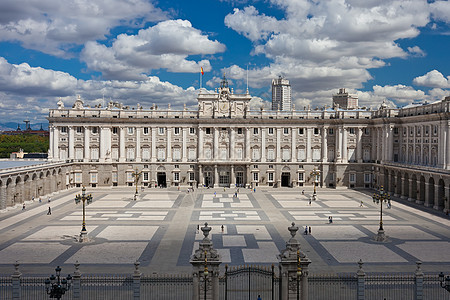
299,274
379,197
55,286
445,281
136,175
84,198
314,175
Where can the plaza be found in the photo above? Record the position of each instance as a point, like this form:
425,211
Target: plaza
159,230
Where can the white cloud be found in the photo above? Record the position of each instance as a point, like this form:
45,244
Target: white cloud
433,79
166,45
328,44
53,26
441,10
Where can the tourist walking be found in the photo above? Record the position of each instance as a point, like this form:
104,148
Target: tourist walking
309,229
259,297
361,205
306,230
49,211
23,206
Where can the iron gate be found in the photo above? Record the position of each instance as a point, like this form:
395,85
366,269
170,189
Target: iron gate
247,282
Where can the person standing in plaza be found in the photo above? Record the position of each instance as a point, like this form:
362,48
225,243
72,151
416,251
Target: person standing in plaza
23,206
306,230
309,229
259,297
49,211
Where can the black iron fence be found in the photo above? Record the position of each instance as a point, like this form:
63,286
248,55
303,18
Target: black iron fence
246,282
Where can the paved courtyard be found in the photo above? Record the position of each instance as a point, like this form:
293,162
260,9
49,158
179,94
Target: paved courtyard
160,231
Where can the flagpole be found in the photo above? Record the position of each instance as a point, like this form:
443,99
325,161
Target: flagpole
201,79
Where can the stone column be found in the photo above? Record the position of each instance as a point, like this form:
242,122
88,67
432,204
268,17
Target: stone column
373,155
436,198
447,199
200,176
76,282
3,196
247,144
216,177
169,144
359,153
293,144
360,288
325,144
56,143
233,177
205,263
410,191
137,281
447,151
232,143
71,143
418,287
216,144
338,147
344,146
294,269
51,142
16,288
122,153
427,194
403,189
183,145
138,144
153,145
200,145
87,147
308,144
263,144
406,160
278,158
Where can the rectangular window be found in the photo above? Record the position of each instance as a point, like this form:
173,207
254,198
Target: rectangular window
177,130
93,177
285,154
301,154
316,130
270,130
115,153
285,130
130,177
330,131
367,131
115,130
239,153
130,153
130,130
64,129
208,130
352,178
316,154
191,153
255,153
301,131
255,130
352,130
301,177
94,130
239,130
367,178
114,177
161,130
145,176
351,154
270,154
270,177
79,129
78,153
191,130
176,176
208,153
366,154
145,130
191,176
94,153
78,178
161,153
145,153
176,153
395,130
256,176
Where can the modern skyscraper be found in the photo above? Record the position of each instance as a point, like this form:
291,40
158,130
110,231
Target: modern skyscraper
281,94
345,100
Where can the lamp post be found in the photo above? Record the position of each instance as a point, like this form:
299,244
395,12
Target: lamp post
445,281
299,274
84,198
205,275
55,286
314,175
136,175
379,197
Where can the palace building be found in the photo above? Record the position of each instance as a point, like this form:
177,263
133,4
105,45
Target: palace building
224,143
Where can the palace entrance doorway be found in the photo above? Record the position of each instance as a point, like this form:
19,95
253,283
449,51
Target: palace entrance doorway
285,179
161,177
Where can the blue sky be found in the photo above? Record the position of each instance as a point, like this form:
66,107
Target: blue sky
143,51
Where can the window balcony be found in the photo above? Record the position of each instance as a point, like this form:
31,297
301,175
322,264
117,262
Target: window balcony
161,159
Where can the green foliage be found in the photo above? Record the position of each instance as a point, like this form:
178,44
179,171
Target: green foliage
29,143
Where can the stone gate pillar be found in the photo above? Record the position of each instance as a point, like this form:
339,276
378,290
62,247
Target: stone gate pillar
293,269
205,262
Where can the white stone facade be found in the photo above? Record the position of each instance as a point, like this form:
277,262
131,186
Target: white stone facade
226,144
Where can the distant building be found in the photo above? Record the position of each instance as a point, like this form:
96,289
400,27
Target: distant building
345,100
28,130
281,94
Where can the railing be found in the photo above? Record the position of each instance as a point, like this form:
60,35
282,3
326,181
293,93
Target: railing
332,287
